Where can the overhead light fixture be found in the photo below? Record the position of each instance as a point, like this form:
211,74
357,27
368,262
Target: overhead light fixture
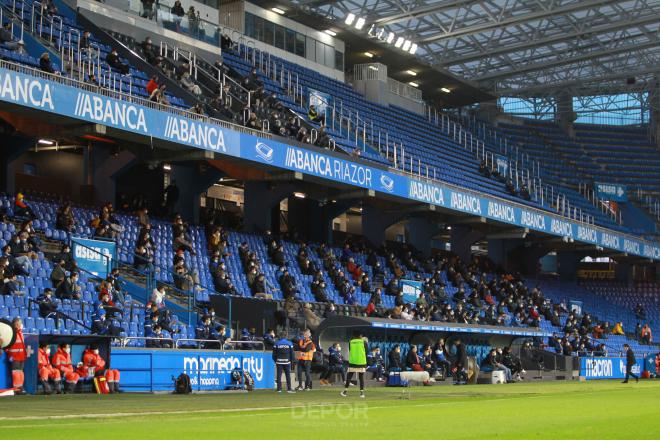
359,24
390,38
411,72
46,142
368,54
413,49
413,83
299,195
399,42
350,18
330,32
167,167
372,67
278,11
449,228
445,89
406,45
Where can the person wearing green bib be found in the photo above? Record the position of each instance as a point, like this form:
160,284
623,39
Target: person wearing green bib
357,362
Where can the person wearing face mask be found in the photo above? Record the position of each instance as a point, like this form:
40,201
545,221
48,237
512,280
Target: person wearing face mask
46,371
62,362
17,355
158,296
95,365
47,307
376,364
444,367
306,349
335,365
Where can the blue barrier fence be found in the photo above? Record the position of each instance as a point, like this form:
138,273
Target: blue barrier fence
152,370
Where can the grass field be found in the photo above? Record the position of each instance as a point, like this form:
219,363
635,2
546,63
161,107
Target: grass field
553,410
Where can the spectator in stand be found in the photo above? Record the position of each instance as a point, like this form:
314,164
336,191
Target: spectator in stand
66,256
252,122
11,286
524,193
152,85
101,325
62,362
177,14
335,365
45,64
47,307
69,288
21,208
323,140
64,218
484,169
46,372
188,84
158,296
143,218
193,21
150,52
646,335
640,313
510,187
148,10
114,61
21,254
156,337
252,83
7,37
184,278
314,116
618,329
143,260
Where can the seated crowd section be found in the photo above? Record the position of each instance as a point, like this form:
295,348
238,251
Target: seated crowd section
311,281
171,260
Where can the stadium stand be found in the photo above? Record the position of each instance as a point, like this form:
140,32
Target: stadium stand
309,277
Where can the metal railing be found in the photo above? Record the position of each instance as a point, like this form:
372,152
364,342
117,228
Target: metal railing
61,79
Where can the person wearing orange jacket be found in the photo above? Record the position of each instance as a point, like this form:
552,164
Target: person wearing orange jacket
47,372
95,365
306,349
17,356
62,363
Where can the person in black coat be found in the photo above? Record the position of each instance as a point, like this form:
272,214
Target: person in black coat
283,357
394,359
460,363
413,360
630,362
47,307
45,63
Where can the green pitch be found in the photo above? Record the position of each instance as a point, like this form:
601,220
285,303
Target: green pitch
553,410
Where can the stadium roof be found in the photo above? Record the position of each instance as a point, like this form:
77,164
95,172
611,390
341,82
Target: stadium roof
523,46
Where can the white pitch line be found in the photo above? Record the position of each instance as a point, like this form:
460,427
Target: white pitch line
222,410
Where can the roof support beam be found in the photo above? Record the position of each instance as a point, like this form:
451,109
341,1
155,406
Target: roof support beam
569,60
643,20
469,30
